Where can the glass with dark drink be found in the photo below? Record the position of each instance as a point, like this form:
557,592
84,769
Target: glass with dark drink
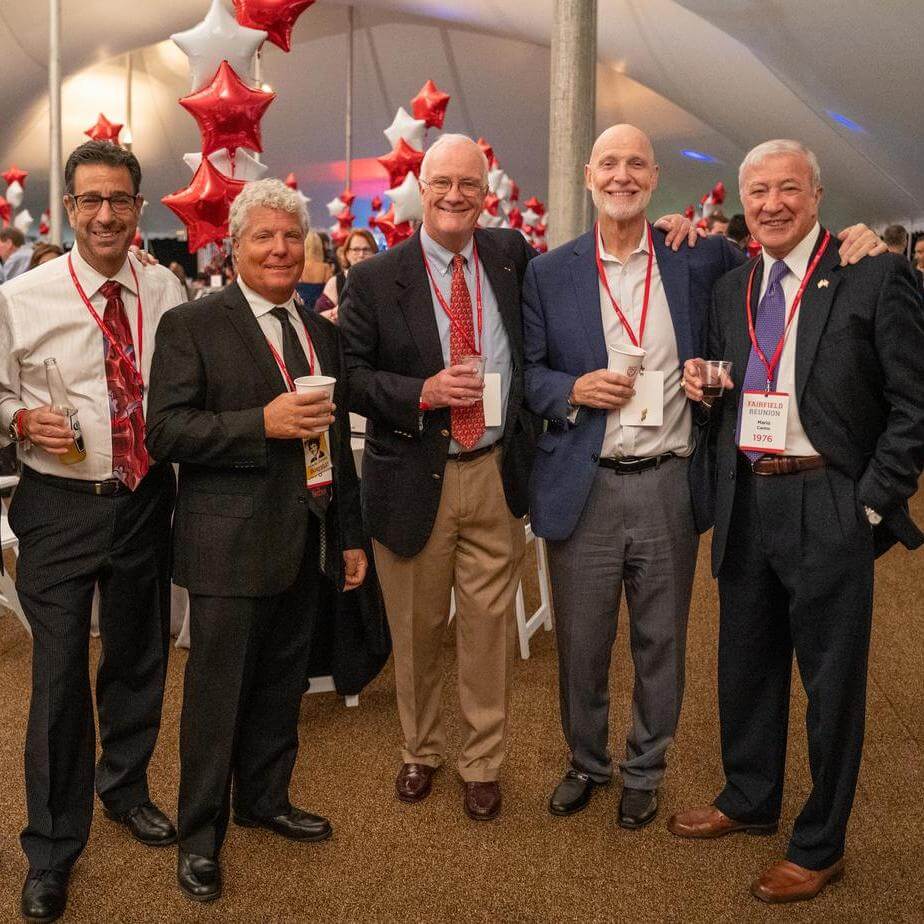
716,377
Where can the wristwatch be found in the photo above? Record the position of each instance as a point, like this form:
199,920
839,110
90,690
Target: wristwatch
14,432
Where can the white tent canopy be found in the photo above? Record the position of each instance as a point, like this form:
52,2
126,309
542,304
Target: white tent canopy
709,76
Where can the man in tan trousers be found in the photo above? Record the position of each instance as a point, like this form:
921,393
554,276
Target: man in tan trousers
446,464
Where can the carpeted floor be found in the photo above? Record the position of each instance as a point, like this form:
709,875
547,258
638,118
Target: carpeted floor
391,862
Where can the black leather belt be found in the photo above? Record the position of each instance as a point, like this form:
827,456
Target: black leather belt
112,487
474,454
631,464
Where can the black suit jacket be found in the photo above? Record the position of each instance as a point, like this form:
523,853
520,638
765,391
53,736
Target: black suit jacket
392,344
859,383
242,507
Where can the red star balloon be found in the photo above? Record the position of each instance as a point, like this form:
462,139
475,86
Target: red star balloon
104,130
228,112
541,246
488,151
394,234
376,203
345,219
339,236
6,211
15,175
515,217
347,197
534,204
491,203
137,240
291,181
430,105
401,161
689,212
514,191
277,17
203,206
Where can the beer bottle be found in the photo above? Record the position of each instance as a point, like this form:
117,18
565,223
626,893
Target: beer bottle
60,404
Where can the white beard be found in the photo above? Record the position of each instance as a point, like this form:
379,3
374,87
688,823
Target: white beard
619,211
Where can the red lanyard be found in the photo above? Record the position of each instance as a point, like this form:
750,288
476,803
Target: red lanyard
636,341
290,382
136,368
771,365
453,322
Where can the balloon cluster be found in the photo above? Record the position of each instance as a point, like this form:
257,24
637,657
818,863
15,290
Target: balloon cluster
10,203
228,108
708,203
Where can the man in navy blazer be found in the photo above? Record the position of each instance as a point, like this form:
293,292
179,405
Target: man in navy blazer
620,490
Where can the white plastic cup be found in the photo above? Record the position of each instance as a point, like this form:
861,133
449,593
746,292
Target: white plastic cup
306,384
625,359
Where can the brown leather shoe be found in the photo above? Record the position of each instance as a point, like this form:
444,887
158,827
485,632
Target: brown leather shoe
413,782
706,821
482,801
787,882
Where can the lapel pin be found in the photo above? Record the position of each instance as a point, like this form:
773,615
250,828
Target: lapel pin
508,268
822,283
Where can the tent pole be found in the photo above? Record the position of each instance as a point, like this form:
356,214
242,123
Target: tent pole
55,165
349,98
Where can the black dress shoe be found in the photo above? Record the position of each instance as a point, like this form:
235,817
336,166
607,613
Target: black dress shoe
44,895
295,825
147,823
572,794
637,807
199,877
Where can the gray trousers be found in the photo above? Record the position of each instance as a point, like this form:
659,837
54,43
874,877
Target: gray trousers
635,531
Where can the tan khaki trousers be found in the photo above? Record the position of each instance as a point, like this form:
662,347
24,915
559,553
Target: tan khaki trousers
476,546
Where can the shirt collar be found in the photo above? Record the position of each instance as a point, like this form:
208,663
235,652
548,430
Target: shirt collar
91,280
261,306
609,258
798,258
439,257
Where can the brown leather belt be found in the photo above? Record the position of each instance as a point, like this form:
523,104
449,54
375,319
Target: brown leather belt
473,454
786,465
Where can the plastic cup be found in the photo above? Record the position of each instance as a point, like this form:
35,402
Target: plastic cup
476,362
625,359
716,373
306,384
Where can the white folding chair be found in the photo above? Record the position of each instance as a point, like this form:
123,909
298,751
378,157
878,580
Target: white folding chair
527,628
8,596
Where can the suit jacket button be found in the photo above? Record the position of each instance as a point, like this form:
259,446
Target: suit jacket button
731,474
444,433
594,458
436,476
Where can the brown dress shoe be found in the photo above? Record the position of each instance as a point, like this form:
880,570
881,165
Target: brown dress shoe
787,882
706,821
482,801
413,782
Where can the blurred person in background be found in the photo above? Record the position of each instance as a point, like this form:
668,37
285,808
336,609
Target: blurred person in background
717,224
737,231
317,270
15,253
359,246
42,253
896,239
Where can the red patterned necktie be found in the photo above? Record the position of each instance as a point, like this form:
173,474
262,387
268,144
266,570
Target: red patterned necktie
467,422
130,460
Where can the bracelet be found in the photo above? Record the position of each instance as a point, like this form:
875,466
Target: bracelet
423,406
17,423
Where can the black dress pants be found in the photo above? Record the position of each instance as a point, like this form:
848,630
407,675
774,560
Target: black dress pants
68,542
245,677
797,576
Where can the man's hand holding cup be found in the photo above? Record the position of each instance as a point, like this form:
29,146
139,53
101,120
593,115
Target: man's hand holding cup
295,415
461,385
704,380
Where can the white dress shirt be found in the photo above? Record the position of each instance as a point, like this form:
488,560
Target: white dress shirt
797,443
43,316
627,283
271,327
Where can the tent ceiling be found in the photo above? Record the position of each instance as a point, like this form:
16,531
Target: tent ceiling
702,74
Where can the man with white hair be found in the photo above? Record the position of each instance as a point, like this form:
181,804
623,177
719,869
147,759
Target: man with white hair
617,491
255,526
819,445
444,473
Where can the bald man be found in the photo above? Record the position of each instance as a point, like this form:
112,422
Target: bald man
619,487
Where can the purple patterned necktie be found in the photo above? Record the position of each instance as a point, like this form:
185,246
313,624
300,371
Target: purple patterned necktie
768,328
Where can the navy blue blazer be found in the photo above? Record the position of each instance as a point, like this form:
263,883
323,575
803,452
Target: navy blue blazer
563,340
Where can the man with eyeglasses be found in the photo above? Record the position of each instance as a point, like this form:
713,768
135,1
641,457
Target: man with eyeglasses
103,520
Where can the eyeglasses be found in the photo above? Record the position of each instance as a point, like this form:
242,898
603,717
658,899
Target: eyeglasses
120,203
441,185
361,251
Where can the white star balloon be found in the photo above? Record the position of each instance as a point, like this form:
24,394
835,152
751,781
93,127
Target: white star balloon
23,221
410,129
488,220
14,194
335,206
305,199
530,217
406,199
246,166
218,38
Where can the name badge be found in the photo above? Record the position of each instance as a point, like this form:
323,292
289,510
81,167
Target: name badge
493,412
763,421
318,464
646,407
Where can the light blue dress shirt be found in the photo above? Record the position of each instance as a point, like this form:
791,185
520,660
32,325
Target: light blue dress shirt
495,344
